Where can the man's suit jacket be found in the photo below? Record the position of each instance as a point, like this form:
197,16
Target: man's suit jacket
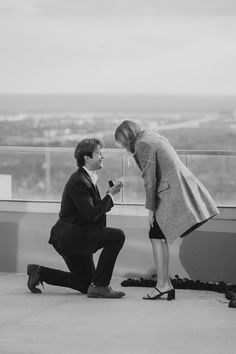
82,216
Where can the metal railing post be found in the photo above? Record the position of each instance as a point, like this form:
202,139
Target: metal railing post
123,175
186,160
48,172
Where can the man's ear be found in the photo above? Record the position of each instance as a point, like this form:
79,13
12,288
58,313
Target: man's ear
86,158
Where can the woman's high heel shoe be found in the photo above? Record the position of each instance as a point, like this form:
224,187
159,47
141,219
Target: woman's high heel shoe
170,295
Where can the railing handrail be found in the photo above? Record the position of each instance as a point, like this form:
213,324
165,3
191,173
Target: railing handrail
110,150
207,152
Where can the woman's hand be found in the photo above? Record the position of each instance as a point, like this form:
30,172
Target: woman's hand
151,217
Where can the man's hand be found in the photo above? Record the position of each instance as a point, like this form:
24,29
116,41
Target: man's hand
116,188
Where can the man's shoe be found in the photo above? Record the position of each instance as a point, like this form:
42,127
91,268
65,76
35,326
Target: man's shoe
105,292
33,271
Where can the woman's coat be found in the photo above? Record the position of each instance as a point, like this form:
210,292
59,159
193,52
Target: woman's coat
180,201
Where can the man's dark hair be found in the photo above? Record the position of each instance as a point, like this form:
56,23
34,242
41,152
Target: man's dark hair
86,147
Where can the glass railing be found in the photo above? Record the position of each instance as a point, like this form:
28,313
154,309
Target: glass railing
39,173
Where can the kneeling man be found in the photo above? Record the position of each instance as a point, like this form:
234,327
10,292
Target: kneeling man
81,231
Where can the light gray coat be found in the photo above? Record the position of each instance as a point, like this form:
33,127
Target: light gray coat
180,201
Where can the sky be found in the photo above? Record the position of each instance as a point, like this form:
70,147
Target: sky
118,46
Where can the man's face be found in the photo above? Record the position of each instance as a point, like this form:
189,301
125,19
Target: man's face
96,162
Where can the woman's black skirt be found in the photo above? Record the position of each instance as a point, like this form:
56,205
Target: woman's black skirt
155,231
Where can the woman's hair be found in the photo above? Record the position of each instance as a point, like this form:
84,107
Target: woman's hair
126,133
86,147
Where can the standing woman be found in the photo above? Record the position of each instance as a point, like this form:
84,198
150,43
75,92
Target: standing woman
177,201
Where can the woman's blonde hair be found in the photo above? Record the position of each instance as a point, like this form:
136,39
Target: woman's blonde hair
126,133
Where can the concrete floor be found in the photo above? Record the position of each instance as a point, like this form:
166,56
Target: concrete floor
63,321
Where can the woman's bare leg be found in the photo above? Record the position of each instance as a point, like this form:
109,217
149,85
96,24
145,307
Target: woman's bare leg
161,259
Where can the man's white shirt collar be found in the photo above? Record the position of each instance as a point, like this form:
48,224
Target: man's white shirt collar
92,174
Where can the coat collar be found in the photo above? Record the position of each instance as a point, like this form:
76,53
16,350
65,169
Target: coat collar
82,171
137,138
89,182
92,174
143,133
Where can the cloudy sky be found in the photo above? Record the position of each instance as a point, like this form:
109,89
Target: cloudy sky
118,46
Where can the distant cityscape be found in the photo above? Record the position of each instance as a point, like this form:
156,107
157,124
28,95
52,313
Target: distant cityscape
188,122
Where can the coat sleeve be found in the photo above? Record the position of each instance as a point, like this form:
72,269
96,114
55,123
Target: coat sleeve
150,173
83,200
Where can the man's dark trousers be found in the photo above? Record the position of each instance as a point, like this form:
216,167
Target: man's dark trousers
82,269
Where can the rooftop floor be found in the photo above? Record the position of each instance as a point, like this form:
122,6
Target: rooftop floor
63,321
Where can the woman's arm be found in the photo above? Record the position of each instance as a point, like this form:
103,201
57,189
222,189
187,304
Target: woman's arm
147,157
151,217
